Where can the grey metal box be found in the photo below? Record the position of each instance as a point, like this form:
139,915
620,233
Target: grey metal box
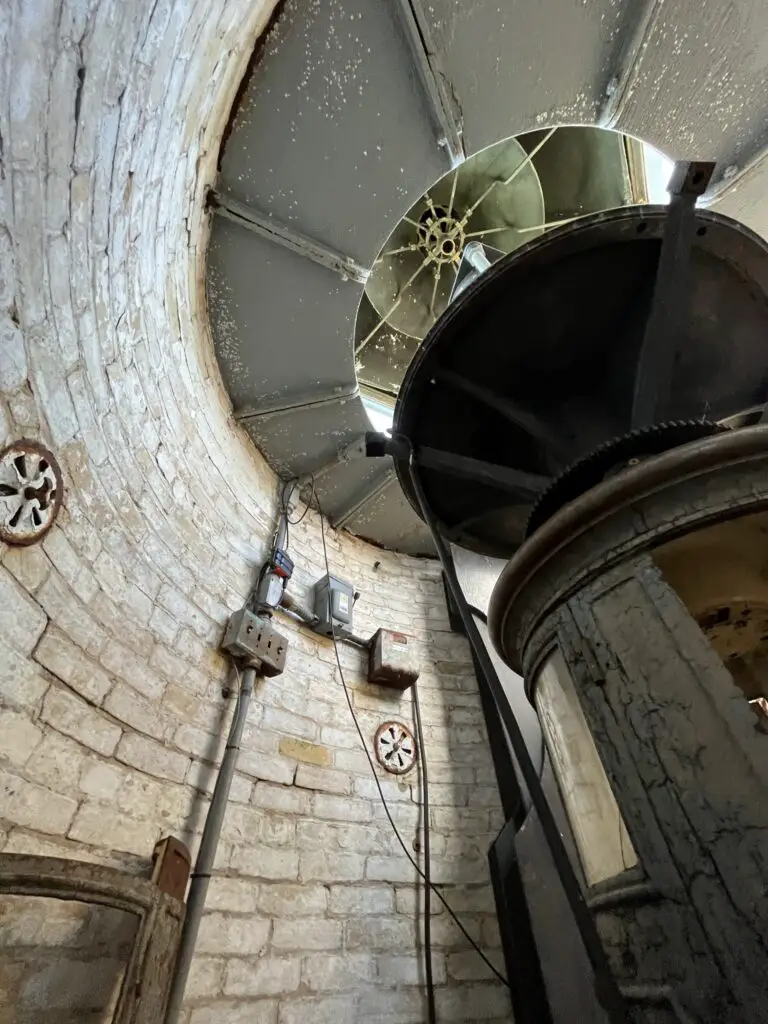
254,638
334,600
392,660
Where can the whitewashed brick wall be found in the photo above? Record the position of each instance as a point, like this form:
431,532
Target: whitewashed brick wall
110,680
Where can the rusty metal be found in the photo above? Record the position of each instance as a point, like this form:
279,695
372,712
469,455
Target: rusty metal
171,866
31,491
688,464
395,748
145,983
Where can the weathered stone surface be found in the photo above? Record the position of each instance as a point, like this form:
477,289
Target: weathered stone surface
120,610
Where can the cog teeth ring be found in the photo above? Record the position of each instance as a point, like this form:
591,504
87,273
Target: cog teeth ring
591,469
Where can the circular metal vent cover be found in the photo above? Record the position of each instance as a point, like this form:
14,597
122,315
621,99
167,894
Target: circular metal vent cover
395,747
31,490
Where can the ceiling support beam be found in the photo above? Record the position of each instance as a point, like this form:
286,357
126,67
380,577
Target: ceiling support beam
372,489
505,407
293,402
426,57
628,60
303,245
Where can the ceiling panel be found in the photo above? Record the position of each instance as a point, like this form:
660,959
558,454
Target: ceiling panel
698,89
282,325
304,440
746,200
515,65
333,134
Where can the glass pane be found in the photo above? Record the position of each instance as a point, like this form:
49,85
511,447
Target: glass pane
601,837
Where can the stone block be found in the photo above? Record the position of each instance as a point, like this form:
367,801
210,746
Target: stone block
57,763
307,753
328,1010
327,972
18,737
380,933
468,966
284,901
101,780
367,789
102,825
205,978
288,723
472,1002
32,806
70,615
390,869
163,625
29,565
132,669
222,934
234,894
69,563
306,934
71,664
265,862
409,969
128,706
404,1006
22,620
69,714
281,798
323,779
227,1011
321,866
410,900
270,976
149,756
360,900
267,767
340,808
22,682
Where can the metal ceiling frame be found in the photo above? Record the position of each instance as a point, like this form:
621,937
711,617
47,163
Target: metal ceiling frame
295,241
426,57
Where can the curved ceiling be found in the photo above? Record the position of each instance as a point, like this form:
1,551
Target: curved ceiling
351,109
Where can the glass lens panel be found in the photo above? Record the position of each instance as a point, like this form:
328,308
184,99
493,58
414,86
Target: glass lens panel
601,837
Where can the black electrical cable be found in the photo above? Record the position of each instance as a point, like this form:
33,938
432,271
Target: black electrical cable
606,987
385,805
431,1010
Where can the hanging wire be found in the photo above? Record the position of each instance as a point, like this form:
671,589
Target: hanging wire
384,803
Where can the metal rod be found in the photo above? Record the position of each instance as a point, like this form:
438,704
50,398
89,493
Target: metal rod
508,181
426,57
425,828
303,245
201,876
606,987
670,306
340,393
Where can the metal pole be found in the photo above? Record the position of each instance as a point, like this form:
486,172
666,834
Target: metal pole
201,876
606,987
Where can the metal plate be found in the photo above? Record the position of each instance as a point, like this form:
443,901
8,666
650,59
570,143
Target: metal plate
574,305
31,491
333,133
395,748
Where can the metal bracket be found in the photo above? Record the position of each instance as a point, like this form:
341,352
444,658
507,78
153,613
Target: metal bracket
503,478
248,217
426,58
670,304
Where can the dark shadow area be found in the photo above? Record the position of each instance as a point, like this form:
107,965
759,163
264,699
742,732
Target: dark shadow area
61,961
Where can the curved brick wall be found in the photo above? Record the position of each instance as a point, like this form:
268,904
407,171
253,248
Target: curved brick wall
110,680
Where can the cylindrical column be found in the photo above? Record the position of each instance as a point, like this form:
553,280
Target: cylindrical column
639,616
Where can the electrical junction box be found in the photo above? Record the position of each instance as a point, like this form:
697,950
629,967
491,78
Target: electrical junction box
334,600
392,660
256,640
